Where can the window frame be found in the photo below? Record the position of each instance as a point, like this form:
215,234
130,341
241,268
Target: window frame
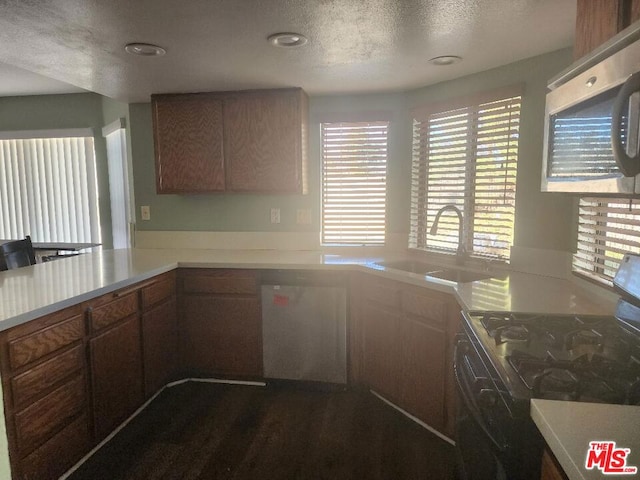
379,120
85,149
418,224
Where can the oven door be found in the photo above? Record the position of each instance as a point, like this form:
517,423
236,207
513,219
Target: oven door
490,442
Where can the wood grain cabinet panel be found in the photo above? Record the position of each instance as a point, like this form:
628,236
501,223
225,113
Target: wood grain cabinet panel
116,367
264,138
222,335
382,350
117,308
37,422
57,455
159,334
32,347
237,282
159,290
188,143
422,371
550,468
33,382
599,20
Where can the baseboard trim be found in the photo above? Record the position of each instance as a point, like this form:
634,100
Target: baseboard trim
415,419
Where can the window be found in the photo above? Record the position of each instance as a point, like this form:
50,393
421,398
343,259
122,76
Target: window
48,186
608,228
465,154
354,180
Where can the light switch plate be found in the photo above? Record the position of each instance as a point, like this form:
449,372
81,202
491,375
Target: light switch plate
303,216
145,212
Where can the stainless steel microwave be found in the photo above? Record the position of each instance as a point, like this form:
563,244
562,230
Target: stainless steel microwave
592,125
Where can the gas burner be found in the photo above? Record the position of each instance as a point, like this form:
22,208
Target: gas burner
583,337
511,333
558,382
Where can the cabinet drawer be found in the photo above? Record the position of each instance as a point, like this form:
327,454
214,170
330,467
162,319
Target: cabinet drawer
58,454
31,383
114,311
26,349
38,421
158,291
224,281
429,308
382,292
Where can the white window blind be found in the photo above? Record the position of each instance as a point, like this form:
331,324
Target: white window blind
608,228
48,189
466,156
354,180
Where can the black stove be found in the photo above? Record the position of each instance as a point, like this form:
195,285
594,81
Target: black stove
564,357
504,359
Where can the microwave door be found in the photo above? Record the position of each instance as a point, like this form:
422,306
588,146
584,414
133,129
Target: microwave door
626,110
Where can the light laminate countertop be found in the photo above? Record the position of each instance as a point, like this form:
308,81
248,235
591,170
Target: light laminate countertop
30,292
568,427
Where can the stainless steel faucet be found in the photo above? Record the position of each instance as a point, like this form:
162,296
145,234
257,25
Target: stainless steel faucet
462,252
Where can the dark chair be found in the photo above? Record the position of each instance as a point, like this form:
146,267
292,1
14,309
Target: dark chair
17,254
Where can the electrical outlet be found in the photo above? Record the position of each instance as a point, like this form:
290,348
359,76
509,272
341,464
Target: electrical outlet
303,216
275,215
145,212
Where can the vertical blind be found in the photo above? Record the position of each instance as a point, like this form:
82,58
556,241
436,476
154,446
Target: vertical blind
466,157
354,173
48,189
608,228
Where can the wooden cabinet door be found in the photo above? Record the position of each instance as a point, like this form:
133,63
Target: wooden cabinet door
116,367
381,350
599,20
188,143
263,141
422,375
221,335
160,343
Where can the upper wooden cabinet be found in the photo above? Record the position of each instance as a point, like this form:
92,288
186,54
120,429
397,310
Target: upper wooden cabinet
599,20
249,141
188,143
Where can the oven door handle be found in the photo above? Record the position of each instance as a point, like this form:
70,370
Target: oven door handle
628,165
464,390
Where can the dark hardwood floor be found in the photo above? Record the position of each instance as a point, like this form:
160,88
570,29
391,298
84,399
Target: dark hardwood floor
213,431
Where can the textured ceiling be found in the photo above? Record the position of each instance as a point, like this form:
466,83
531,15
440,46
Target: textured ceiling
354,46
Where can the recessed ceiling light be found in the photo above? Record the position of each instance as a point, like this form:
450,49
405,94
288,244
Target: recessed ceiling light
287,40
144,49
444,60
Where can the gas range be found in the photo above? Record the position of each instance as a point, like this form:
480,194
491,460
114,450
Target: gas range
561,357
503,360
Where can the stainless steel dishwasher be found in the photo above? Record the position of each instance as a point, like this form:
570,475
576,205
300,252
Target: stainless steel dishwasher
304,317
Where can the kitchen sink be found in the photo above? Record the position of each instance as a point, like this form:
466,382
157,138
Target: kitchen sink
459,276
411,266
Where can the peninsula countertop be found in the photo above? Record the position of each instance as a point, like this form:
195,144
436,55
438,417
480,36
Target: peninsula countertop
30,292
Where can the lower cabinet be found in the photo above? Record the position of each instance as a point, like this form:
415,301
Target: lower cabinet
159,334
405,335
116,366
220,323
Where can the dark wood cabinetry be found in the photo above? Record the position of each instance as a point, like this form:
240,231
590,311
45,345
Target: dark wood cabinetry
551,470
402,339
599,20
44,376
116,367
264,141
220,323
188,143
250,141
159,332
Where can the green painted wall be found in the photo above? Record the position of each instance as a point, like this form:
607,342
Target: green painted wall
65,111
543,220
